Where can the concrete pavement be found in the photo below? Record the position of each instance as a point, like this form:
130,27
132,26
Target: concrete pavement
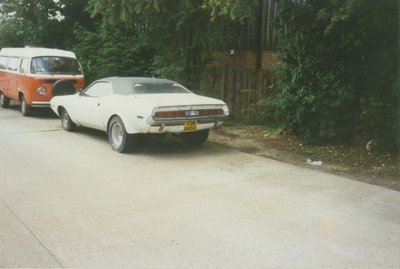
68,200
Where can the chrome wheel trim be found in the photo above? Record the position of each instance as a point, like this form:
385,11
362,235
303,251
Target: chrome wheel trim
23,106
117,135
65,119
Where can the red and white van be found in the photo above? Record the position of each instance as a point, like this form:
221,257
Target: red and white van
33,76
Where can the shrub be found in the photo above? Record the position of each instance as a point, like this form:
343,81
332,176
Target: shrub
338,70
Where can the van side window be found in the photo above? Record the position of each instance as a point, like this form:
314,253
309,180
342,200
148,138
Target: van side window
13,64
3,62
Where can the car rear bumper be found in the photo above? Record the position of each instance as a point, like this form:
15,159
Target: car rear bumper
177,125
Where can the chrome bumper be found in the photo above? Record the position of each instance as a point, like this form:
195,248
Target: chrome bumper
176,125
40,104
181,121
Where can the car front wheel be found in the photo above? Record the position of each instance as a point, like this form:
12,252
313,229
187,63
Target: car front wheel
66,122
196,138
4,101
117,136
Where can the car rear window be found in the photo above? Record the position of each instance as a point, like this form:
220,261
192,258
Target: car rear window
158,88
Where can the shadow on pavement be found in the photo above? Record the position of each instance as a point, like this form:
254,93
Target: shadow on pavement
150,144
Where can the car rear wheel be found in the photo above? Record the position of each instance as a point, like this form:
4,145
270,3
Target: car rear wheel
4,101
25,109
196,138
66,122
119,139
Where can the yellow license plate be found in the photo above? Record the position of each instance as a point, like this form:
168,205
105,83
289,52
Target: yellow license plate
190,126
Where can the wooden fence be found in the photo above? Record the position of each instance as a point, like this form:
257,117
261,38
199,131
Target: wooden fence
244,90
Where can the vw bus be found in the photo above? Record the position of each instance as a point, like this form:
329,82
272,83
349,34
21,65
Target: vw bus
33,76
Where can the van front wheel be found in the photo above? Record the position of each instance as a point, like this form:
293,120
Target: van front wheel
4,101
25,109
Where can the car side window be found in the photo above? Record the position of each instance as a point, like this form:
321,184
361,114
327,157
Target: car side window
99,89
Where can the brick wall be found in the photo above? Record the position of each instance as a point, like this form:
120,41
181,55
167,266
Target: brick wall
243,60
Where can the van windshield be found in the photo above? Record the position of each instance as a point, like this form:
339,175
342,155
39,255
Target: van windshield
55,65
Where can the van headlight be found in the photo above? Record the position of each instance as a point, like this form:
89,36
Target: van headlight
41,91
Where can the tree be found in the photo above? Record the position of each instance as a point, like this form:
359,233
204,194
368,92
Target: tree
45,23
234,9
338,72
8,36
179,32
32,20
108,52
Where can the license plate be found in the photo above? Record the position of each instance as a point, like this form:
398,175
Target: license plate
190,126
189,113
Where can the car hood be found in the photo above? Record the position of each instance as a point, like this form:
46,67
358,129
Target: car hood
157,100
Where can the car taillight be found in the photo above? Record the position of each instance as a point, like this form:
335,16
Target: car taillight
211,112
169,114
188,113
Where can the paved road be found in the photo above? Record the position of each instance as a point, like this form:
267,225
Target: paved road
68,200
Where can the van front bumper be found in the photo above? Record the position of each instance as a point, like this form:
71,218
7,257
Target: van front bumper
40,104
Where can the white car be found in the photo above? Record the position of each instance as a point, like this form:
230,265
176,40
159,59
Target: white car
126,106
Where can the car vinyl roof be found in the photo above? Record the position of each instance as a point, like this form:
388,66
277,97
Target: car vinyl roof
123,85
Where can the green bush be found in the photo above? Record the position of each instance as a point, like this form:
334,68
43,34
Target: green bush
338,70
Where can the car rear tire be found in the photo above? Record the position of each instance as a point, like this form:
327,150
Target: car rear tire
196,138
119,139
4,101
66,122
25,109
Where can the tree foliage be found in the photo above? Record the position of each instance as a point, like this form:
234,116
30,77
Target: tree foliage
33,20
179,32
235,9
111,52
41,22
338,71
176,35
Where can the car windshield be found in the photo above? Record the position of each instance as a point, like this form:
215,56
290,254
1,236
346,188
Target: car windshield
158,88
55,65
